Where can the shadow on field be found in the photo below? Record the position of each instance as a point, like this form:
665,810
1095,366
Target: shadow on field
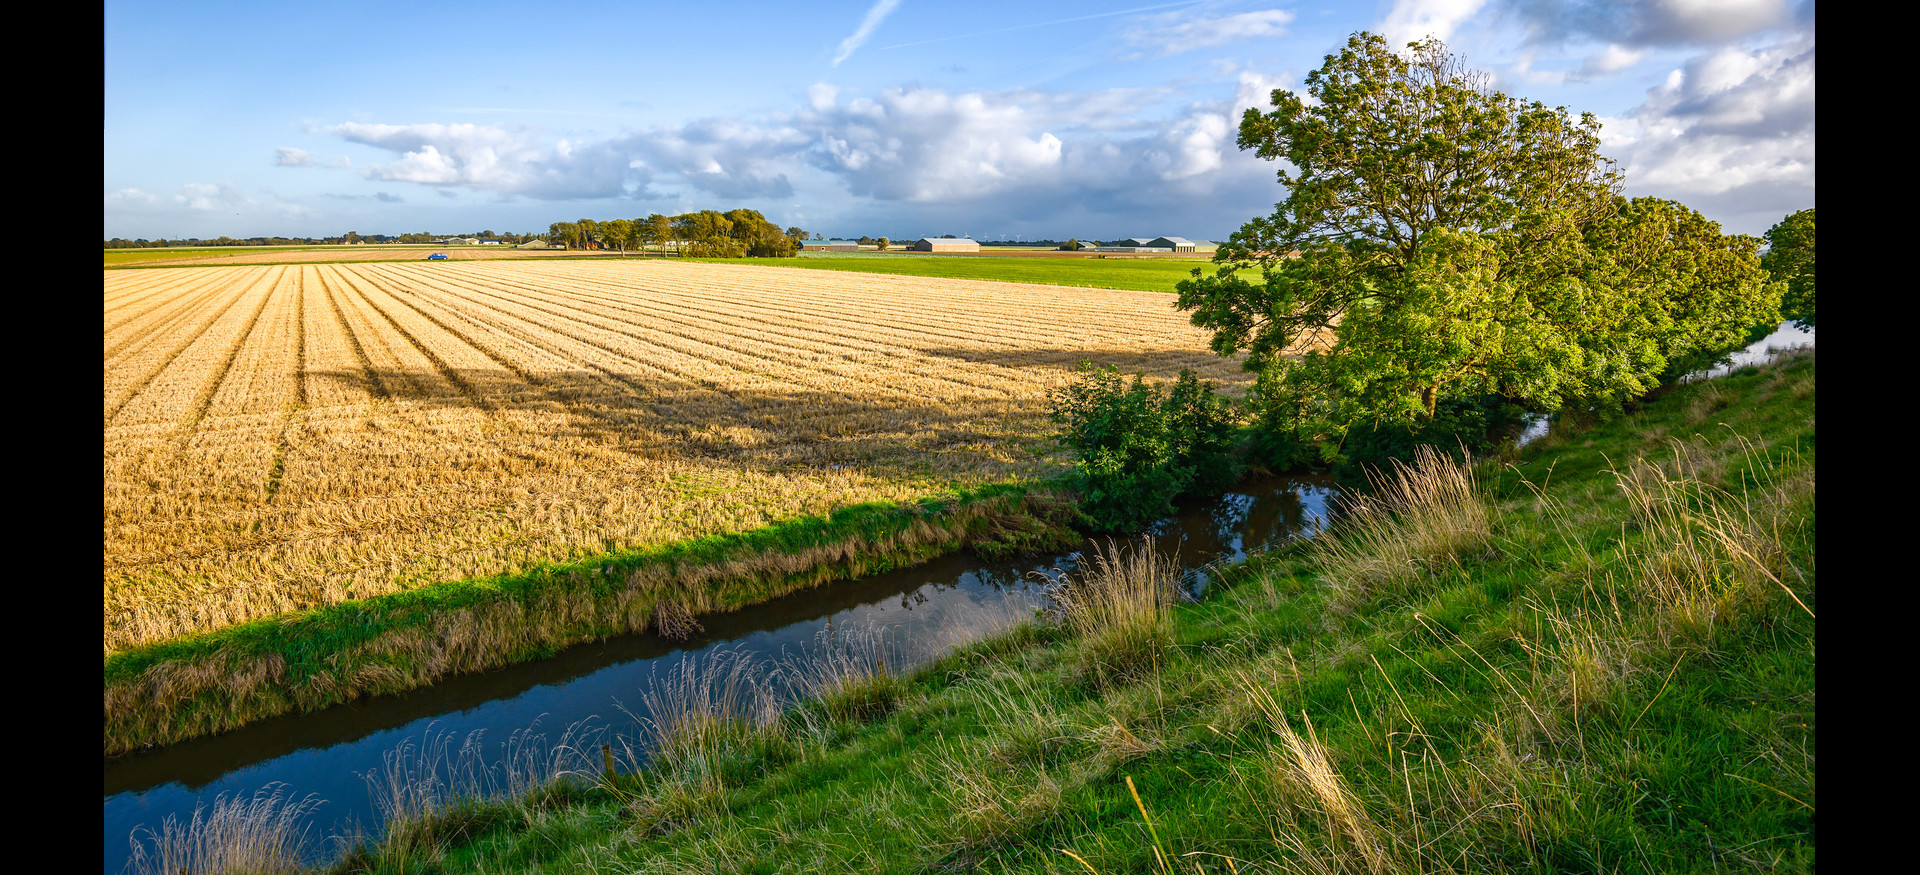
764,427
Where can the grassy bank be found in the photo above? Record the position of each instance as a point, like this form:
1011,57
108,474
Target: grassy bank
301,662
1595,655
1139,274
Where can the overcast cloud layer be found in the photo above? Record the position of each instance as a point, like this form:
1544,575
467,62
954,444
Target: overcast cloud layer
1100,123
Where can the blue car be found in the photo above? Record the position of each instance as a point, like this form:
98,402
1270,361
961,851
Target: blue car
437,256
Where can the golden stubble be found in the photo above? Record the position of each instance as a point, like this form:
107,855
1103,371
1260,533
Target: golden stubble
286,437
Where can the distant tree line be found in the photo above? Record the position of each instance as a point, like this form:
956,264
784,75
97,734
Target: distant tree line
703,234
349,237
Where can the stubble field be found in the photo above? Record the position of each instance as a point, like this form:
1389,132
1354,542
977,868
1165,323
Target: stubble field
285,437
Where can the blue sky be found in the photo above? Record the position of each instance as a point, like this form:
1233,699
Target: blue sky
897,117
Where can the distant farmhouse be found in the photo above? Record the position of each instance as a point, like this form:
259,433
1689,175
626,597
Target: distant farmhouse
829,246
1142,244
943,244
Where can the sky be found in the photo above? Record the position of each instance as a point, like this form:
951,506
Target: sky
901,118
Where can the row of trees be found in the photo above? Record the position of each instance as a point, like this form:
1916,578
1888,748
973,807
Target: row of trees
703,234
349,237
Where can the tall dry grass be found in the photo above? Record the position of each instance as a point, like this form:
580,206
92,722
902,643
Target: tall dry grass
266,833
428,793
1414,520
1119,603
851,675
1708,556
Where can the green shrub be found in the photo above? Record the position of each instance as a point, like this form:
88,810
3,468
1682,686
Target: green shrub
1137,450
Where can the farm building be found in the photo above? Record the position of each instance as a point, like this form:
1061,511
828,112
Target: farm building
829,246
943,244
1177,244
1131,244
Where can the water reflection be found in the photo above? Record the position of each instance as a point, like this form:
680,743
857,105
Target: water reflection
925,610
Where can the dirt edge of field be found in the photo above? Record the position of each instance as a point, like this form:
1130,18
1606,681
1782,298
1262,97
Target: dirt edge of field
305,662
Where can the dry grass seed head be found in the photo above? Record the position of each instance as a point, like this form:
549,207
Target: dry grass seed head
1421,516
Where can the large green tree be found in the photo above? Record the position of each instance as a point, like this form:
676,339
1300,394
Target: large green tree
1436,246
1789,259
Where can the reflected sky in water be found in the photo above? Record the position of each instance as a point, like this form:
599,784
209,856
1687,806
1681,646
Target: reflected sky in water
924,611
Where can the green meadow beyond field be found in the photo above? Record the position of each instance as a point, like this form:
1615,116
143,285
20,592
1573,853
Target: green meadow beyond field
1137,274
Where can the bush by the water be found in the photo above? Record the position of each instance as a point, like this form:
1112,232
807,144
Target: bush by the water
1138,449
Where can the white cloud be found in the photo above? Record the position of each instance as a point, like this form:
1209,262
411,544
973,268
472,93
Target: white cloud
207,197
1410,20
508,160
1173,33
129,197
1733,124
1614,59
286,157
875,15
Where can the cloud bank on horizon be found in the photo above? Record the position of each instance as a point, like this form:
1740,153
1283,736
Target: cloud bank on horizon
921,120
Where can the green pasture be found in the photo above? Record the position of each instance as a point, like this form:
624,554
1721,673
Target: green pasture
1139,274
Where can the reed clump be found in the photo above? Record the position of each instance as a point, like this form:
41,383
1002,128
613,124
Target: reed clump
849,675
1411,524
1119,605
265,833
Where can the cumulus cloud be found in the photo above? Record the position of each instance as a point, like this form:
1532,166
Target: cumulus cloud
1174,33
286,157
507,160
1612,60
853,42
207,197
130,197
1410,20
910,150
725,157
1734,124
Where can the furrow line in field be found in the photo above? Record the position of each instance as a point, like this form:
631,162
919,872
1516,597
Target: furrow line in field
745,354
980,338
336,346
262,377
136,338
144,298
697,309
391,356
536,362
626,350
203,400
463,359
151,379
963,298
790,344
722,362
883,314
787,353
277,472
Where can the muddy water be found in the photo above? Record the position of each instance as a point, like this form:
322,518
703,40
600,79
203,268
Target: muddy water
926,610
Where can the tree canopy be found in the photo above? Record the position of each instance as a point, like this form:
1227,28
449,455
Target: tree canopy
1441,241
1789,259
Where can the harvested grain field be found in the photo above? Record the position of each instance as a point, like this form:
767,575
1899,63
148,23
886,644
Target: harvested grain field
285,437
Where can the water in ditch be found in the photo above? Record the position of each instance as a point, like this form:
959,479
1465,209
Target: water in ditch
925,610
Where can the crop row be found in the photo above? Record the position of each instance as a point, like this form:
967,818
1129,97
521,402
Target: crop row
287,437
